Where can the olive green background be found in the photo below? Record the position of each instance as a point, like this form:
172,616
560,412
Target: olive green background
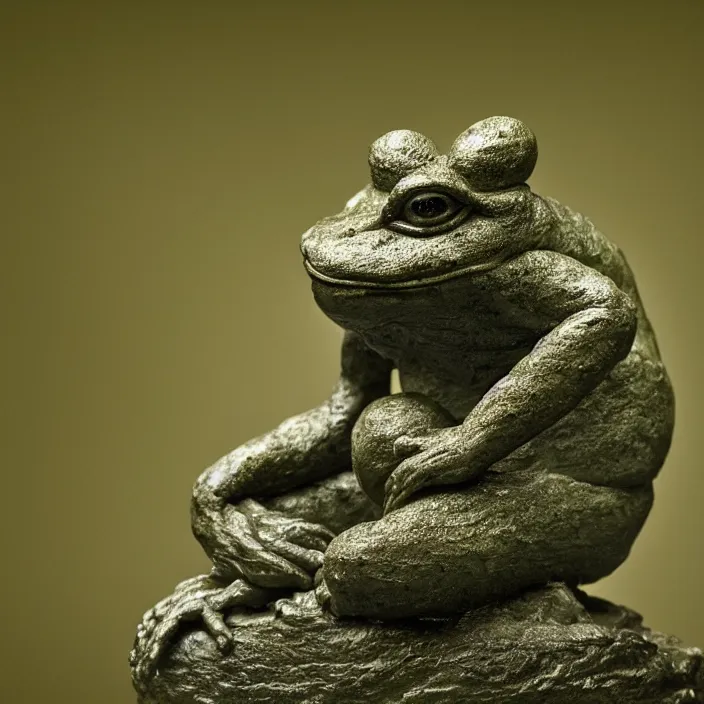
160,163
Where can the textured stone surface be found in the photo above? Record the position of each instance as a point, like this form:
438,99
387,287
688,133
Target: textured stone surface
542,648
536,412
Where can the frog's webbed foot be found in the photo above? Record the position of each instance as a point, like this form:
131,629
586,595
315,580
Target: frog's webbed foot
197,598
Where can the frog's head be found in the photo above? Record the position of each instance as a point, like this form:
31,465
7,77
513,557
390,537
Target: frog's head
427,217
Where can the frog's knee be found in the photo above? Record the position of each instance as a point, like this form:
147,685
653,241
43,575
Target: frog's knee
379,425
400,414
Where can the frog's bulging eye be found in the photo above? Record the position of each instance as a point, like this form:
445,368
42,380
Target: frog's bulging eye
428,207
429,212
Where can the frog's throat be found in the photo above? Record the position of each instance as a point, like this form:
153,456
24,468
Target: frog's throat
407,283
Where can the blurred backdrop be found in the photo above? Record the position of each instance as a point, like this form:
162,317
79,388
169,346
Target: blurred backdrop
162,159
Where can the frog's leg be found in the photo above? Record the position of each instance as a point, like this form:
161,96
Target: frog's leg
450,550
302,450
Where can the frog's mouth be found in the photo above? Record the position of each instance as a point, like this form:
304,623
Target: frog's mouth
402,284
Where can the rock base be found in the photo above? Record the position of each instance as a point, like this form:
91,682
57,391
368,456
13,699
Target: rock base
550,646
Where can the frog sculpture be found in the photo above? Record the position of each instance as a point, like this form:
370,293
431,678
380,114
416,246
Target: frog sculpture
534,416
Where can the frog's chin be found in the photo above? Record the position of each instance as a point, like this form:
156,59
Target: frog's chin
404,283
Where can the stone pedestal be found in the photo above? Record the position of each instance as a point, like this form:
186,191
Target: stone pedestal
550,646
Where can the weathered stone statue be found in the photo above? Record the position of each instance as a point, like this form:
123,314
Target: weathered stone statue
427,546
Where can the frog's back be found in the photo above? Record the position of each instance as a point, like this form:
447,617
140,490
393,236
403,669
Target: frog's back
576,236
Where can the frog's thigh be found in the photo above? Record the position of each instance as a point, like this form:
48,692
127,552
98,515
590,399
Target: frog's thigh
452,550
618,435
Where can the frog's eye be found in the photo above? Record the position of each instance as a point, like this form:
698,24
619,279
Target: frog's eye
496,153
430,208
429,213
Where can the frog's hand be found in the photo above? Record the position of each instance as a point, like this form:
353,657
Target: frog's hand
265,547
195,599
303,449
594,327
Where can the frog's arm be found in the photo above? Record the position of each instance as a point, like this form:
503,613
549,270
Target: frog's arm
301,450
593,327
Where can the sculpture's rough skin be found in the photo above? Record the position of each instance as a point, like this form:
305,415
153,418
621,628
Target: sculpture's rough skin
543,648
535,414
